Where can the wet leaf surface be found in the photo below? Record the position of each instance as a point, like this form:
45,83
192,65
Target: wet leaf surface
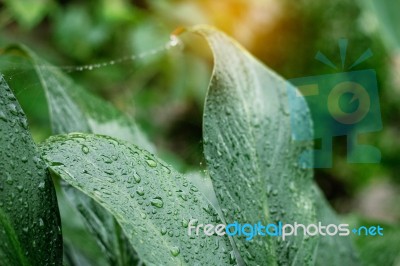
150,200
30,227
259,171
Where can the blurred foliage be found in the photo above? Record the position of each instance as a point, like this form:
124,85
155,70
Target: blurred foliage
165,91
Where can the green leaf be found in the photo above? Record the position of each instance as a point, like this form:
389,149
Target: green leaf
72,109
152,203
251,156
28,13
81,247
30,230
258,170
343,248
112,241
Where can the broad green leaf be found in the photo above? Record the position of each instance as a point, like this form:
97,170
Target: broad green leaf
152,202
253,160
109,235
205,186
72,109
344,253
81,247
251,156
30,230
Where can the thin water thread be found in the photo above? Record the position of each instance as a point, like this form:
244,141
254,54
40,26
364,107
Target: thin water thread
173,42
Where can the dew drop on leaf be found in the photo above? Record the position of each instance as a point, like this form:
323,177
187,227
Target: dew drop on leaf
13,109
175,251
136,177
151,163
185,223
85,149
3,116
41,185
157,202
9,179
140,191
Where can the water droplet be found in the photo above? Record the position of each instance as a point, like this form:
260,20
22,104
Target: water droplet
183,196
106,159
24,123
136,177
185,223
3,116
151,163
41,185
13,109
163,231
157,202
232,258
9,179
85,149
41,223
140,191
24,159
175,251
167,169
249,256
109,172
111,180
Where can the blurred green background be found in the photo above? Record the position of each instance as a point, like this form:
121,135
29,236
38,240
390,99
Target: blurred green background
165,91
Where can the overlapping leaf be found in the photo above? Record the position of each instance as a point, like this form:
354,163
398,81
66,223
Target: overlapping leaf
253,159
72,109
30,227
151,201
